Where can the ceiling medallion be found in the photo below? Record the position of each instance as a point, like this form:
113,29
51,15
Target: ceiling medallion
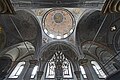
58,23
113,28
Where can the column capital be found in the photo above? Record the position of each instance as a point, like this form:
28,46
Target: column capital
33,62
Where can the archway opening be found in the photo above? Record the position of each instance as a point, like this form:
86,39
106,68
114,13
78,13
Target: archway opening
59,61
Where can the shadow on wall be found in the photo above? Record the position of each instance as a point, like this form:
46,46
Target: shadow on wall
5,63
114,76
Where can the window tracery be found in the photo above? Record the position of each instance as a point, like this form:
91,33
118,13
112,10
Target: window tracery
54,64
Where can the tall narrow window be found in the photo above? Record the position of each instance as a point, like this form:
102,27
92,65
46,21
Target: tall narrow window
17,71
34,71
50,70
83,71
67,72
98,69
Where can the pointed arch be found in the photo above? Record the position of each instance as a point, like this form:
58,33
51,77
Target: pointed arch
68,50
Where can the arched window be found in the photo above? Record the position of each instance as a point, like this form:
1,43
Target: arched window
67,71
17,71
83,71
98,69
19,68
66,67
50,71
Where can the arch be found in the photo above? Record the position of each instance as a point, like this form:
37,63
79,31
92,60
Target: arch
88,26
70,53
67,67
97,51
115,35
23,26
16,54
112,38
17,51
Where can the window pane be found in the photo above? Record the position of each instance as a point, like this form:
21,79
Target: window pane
83,71
17,71
66,67
67,71
84,76
98,69
50,70
34,71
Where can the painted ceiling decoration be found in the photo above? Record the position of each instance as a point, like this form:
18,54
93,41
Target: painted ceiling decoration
58,23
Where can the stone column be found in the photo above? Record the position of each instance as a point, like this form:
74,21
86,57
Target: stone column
39,75
88,72
93,73
40,72
23,73
30,69
78,73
